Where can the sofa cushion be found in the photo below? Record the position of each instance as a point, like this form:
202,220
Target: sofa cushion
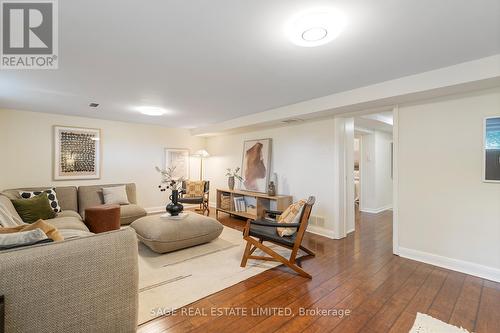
66,195
73,233
130,213
68,222
33,209
69,213
91,196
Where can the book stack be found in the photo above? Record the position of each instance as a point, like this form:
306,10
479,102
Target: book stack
239,204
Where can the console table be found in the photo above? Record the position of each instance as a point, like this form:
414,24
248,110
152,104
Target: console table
262,202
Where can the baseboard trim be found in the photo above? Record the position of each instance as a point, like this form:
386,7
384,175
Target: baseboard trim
375,210
467,267
320,231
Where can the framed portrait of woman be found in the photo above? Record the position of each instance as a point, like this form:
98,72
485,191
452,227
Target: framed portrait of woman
256,165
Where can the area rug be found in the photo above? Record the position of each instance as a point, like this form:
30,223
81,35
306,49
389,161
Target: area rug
427,324
172,280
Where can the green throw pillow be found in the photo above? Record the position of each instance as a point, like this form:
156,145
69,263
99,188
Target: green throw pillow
34,209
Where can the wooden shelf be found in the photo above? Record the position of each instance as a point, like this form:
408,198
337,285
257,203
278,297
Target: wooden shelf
262,202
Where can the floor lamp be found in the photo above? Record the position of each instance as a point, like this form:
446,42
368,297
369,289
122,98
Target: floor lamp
202,153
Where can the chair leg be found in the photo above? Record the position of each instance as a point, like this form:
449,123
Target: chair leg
276,256
245,255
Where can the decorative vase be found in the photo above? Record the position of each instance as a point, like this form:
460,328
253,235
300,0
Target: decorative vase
271,190
230,183
174,207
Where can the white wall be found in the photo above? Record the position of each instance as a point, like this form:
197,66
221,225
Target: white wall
375,169
302,157
447,215
129,152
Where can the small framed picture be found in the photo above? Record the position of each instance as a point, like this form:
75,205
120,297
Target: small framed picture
178,158
491,150
77,153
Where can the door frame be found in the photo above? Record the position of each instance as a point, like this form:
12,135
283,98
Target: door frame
347,180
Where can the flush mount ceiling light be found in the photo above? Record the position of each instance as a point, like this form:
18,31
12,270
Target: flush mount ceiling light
151,110
315,27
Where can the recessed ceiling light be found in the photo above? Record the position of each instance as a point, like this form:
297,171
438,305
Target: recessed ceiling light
151,110
315,27
314,34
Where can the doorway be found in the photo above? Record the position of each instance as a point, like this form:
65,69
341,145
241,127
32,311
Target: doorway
372,164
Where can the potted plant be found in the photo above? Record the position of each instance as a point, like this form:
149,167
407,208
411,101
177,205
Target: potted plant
231,175
169,182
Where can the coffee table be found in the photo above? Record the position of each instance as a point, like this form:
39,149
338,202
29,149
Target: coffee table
164,235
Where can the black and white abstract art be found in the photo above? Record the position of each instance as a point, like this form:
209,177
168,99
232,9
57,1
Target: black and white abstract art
76,153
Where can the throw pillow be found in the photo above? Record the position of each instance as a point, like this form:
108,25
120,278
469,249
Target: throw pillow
116,195
291,215
51,194
21,238
195,188
33,209
49,230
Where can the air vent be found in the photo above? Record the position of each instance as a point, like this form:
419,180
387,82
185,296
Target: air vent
292,120
94,105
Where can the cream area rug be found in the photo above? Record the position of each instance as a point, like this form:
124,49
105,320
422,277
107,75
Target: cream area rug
427,324
172,280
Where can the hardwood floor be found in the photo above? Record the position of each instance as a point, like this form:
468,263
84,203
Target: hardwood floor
383,292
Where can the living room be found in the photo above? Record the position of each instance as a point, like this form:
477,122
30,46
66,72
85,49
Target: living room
195,171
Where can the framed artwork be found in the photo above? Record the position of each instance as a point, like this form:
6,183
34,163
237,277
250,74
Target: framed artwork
178,158
256,165
77,153
491,150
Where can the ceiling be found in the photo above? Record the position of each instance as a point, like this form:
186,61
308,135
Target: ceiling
210,61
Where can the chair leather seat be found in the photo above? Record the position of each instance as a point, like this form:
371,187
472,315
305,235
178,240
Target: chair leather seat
270,234
191,200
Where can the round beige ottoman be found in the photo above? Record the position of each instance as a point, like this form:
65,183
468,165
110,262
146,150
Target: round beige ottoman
166,235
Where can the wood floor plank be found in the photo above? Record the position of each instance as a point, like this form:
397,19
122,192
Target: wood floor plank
488,317
466,308
383,320
444,302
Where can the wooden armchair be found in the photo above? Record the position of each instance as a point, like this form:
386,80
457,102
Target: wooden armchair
198,200
260,230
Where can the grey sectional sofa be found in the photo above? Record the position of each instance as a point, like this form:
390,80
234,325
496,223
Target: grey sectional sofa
86,283
74,201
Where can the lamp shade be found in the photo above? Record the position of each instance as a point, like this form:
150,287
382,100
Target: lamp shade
201,153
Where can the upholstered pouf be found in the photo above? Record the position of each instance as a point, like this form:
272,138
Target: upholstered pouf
103,218
166,235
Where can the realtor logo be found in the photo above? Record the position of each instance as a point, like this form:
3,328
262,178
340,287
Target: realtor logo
29,34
